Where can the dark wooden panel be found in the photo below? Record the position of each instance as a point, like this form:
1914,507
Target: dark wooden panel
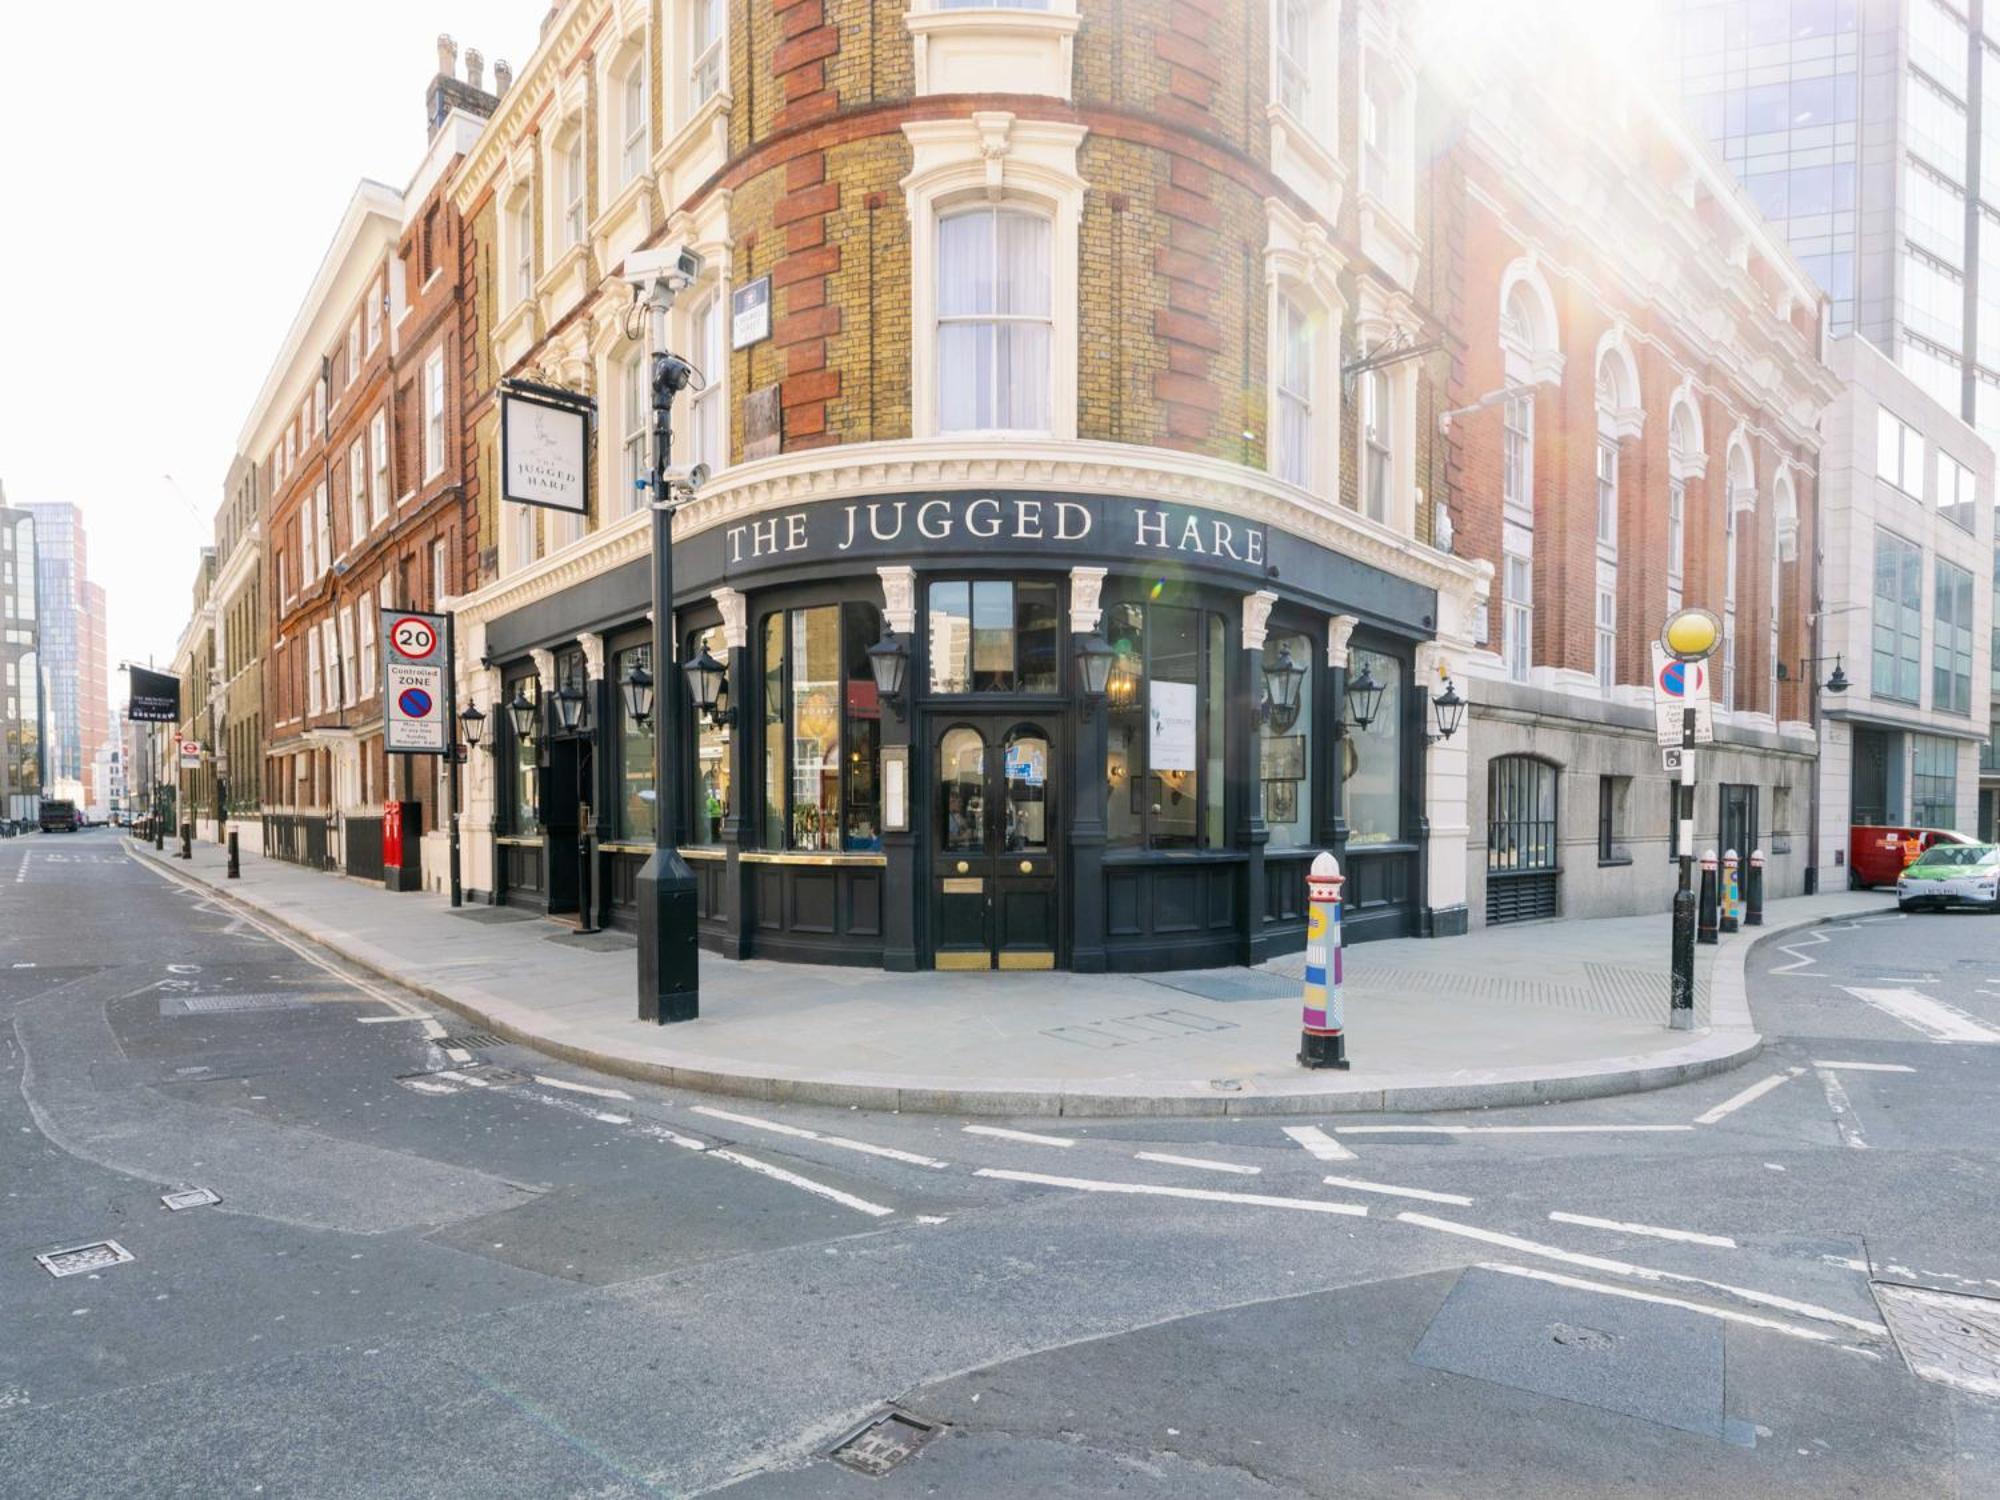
711,878
1177,900
1222,884
1124,891
864,903
1285,889
815,902
770,899
1028,919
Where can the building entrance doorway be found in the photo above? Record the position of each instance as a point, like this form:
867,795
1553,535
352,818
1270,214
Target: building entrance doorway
565,794
994,876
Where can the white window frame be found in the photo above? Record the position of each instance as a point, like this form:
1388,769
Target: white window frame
365,614
708,431
635,446
1378,445
330,653
349,673
521,248
440,583
1606,626
357,492
1676,541
572,184
1517,617
319,404
372,313
1607,497
308,551
434,414
1291,456
291,450
1517,456
378,476
993,212
322,505
354,350
1899,453
1293,24
314,677
635,118
707,59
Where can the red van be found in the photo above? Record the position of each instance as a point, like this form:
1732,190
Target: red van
1877,855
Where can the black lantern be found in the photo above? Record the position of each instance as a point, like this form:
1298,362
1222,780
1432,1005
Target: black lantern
889,660
637,687
471,725
569,707
1837,683
707,682
522,712
1449,708
1094,657
1283,679
1364,698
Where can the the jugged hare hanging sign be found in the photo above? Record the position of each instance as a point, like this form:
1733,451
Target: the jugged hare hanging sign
544,450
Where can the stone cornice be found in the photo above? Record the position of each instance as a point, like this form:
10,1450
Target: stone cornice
540,75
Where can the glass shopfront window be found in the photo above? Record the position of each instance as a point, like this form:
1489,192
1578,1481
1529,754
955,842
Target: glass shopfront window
1164,705
992,636
635,752
822,729
524,796
1284,752
711,747
1372,758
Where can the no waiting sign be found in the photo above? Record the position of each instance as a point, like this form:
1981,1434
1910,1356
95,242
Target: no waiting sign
413,684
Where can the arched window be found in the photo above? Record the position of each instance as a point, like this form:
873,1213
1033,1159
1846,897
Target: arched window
1528,355
1522,842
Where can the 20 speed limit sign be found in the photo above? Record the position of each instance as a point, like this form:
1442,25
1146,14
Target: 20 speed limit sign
411,637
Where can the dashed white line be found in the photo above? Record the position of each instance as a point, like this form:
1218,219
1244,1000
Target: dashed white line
846,1200
1398,1192
1318,1143
780,1128
1578,1283
1643,1273
1201,1162
21,875
1505,1129
1843,1111
1861,1067
582,1088
1800,961
1750,1095
1655,1231
1152,1190
1018,1135
1937,1020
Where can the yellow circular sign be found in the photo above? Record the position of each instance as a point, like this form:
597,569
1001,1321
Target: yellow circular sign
1691,634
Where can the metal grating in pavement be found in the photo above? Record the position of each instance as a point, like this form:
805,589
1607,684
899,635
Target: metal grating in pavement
191,1198
79,1259
1150,1026
883,1442
1947,1337
472,1039
491,914
204,1005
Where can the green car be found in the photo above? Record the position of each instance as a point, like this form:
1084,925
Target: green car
1951,875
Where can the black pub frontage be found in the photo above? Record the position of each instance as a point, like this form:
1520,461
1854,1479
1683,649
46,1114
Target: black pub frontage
981,730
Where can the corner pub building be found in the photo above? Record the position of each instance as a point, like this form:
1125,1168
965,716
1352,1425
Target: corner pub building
1057,378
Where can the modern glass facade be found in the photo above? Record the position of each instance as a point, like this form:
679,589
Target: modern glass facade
21,698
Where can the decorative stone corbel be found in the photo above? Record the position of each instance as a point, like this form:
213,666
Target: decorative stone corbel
593,655
1339,631
735,618
1257,618
1086,587
545,666
899,597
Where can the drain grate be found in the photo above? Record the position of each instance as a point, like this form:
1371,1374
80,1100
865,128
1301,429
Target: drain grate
471,1039
883,1441
203,1005
78,1259
191,1198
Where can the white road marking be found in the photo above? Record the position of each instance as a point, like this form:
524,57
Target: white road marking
385,1020
1843,1111
1319,1144
802,1133
846,1200
1150,1190
611,1119
1861,1067
673,1137
1577,1283
1690,1236
1397,1192
21,875
457,1077
458,1054
424,1087
1643,1273
1019,1135
1800,960
1937,1020
582,1088
1503,1129
1196,1161
1846,1261
1750,1095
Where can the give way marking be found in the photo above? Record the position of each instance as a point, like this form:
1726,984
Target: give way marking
1935,1019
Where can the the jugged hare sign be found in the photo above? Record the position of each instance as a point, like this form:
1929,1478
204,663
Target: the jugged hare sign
544,451
414,695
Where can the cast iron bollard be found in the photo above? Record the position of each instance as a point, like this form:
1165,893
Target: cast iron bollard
1323,1043
235,867
187,841
1731,892
159,833
1705,923
1753,909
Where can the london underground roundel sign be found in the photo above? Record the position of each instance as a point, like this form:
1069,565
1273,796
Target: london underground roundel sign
1691,635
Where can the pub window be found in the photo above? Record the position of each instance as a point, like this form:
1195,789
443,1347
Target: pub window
822,729
1284,753
524,802
1372,758
711,749
1164,704
991,636
635,754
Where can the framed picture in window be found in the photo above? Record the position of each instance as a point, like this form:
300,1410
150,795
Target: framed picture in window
1281,802
1284,757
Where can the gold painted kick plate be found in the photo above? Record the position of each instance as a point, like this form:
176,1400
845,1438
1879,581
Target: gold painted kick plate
1027,960
964,961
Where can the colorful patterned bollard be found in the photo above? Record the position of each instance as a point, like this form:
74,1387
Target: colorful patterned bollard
1731,892
1753,891
1705,923
1323,1043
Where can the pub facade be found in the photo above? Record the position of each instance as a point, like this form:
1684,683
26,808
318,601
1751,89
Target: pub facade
1062,580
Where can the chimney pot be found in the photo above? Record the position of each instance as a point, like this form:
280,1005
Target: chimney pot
447,56
503,75
475,67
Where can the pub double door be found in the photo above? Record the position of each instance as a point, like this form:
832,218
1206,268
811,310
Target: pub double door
994,886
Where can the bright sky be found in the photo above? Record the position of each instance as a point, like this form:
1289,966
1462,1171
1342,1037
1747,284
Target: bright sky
174,174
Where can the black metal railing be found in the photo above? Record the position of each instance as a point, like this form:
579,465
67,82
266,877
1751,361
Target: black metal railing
299,839
364,848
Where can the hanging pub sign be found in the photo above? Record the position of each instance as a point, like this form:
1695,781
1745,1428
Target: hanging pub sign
156,697
413,685
545,447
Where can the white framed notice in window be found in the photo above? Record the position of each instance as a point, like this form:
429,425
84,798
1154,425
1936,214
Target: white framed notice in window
750,313
1172,713
895,788
544,452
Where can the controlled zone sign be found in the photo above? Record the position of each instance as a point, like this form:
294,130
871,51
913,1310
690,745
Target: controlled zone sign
1677,687
413,685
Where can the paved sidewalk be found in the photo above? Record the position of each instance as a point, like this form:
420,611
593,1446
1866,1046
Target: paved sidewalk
1555,1010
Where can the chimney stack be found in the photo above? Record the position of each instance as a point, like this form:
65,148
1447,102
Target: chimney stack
503,76
475,67
447,56
449,92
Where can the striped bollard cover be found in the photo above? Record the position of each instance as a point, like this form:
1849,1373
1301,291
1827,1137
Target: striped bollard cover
1323,1042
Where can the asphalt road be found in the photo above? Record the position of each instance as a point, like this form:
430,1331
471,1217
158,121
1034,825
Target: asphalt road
446,1268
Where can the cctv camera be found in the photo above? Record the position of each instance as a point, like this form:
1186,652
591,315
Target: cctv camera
666,269
697,476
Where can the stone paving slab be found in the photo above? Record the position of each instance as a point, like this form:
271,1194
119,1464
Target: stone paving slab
1547,1011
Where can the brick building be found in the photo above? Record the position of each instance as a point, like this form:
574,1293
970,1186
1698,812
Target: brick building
1018,328
1636,383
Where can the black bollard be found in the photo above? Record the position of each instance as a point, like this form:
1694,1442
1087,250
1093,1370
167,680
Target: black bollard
1705,926
235,866
187,841
1753,891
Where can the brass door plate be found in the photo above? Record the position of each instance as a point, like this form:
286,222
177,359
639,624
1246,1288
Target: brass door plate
968,886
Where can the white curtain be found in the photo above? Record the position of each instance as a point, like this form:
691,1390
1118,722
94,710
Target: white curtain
1294,451
994,334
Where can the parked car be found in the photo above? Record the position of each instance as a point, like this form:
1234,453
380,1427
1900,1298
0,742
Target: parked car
1952,875
1878,855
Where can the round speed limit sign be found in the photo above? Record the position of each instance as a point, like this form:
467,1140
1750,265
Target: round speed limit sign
413,638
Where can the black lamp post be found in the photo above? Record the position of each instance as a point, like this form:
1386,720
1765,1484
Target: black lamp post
889,660
1837,683
1364,698
708,681
1094,657
638,690
1283,680
1449,709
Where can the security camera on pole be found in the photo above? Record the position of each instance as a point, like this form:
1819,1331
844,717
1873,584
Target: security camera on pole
1684,718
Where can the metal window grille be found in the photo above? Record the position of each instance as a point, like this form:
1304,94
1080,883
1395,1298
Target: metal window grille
1521,839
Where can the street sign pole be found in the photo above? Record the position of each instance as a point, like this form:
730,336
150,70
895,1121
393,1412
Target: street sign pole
1680,688
451,739
1680,1015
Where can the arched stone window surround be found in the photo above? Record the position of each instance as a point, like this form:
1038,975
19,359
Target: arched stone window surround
1301,264
1616,373
1531,341
1687,449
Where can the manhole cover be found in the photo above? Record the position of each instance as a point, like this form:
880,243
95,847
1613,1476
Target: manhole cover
78,1259
471,1039
882,1443
204,1005
1945,1336
1570,1336
190,1198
